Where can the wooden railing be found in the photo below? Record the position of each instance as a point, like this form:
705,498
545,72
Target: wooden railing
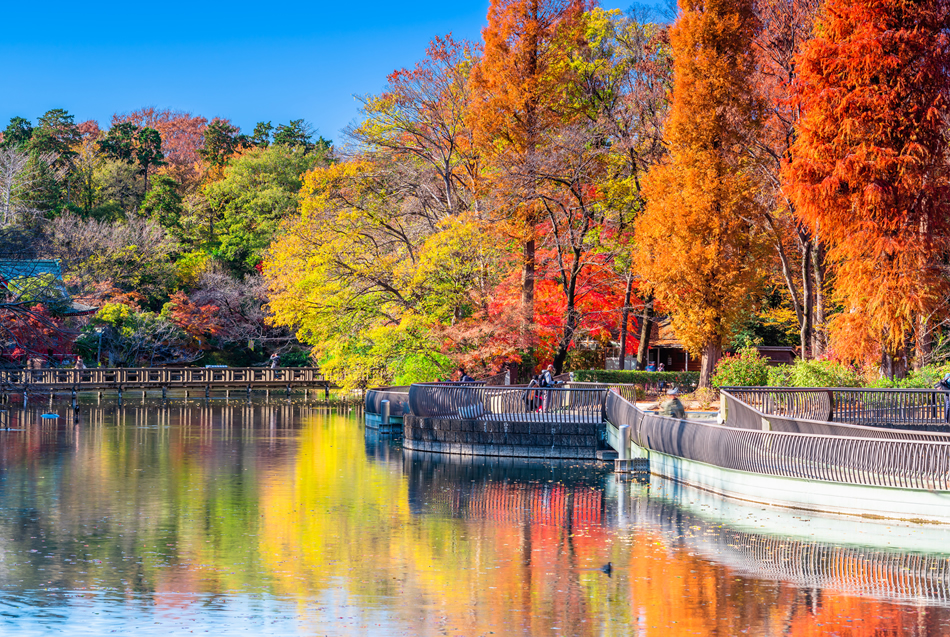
159,377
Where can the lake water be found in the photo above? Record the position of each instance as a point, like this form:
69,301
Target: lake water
285,519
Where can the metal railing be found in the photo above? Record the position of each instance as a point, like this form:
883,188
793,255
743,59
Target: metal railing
905,463
398,398
512,402
157,377
874,407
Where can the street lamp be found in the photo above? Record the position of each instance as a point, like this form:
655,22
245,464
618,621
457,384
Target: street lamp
99,331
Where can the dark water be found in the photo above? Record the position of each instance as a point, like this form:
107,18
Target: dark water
285,519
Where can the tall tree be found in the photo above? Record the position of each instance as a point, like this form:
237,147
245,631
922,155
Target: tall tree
220,142
699,247
870,171
518,84
17,133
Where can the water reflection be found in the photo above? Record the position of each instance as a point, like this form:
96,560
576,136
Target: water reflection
284,518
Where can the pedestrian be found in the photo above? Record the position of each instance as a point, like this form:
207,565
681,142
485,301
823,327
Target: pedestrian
547,376
673,408
79,363
464,377
944,386
274,360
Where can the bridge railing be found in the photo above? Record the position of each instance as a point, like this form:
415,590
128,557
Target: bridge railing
872,407
161,377
517,402
906,463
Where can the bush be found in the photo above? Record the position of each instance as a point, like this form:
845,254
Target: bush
816,373
780,376
636,377
746,369
924,378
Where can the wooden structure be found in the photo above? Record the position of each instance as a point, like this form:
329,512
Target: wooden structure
161,378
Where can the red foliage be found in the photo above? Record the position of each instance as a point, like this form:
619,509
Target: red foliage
34,332
199,321
182,136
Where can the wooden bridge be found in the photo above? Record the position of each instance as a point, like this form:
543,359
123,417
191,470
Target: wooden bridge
28,381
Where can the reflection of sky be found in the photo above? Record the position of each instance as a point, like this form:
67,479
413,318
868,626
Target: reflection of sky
276,519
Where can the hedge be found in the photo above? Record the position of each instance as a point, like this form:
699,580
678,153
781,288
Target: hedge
636,377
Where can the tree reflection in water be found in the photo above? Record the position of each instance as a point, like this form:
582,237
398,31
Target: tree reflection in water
280,517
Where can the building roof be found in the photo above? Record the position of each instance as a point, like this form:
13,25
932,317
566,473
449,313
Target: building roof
11,269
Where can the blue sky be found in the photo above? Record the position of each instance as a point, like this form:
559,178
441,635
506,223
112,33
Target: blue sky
244,61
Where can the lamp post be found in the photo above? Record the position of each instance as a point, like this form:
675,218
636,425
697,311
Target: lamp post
99,331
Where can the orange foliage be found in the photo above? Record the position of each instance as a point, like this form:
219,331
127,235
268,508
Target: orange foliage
199,321
699,247
869,170
182,136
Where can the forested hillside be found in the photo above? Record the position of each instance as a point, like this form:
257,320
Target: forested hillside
159,221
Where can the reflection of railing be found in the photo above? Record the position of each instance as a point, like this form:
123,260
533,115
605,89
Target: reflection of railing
908,463
398,398
158,377
874,407
540,404
890,575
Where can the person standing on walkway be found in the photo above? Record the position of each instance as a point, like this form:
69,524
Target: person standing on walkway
944,386
673,408
274,360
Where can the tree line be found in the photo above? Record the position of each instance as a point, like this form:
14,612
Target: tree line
159,223
758,171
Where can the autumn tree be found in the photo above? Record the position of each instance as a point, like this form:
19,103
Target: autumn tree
786,27
869,171
699,247
517,85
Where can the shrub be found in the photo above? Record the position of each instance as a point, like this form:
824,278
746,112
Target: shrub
746,369
817,373
780,376
636,377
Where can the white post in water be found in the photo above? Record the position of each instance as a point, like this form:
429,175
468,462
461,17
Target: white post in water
384,411
624,453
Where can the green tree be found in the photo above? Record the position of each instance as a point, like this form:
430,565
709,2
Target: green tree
148,151
17,133
261,134
163,204
56,133
119,142
220,142
259,189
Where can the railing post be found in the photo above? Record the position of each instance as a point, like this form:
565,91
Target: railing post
624,453
384,411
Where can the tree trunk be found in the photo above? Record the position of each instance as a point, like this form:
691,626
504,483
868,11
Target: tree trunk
712,351
807,298
646,328
624,320
819,328
527,284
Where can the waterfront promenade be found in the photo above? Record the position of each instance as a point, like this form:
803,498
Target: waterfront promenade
861,452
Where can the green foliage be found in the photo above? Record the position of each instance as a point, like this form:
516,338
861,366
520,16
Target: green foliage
636,377
191,265
17,134
747,369
258,190
295,358
220,142
925,378
163,204
40,288
780,376
823,373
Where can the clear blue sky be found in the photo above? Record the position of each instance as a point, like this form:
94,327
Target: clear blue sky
244,61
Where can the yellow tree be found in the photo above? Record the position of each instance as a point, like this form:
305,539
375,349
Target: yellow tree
699,245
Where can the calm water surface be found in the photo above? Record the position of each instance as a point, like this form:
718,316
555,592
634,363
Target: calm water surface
283,518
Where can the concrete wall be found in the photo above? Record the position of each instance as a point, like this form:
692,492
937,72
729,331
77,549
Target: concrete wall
501,438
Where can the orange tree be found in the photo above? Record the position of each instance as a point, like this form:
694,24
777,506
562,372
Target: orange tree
699,245
869,170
